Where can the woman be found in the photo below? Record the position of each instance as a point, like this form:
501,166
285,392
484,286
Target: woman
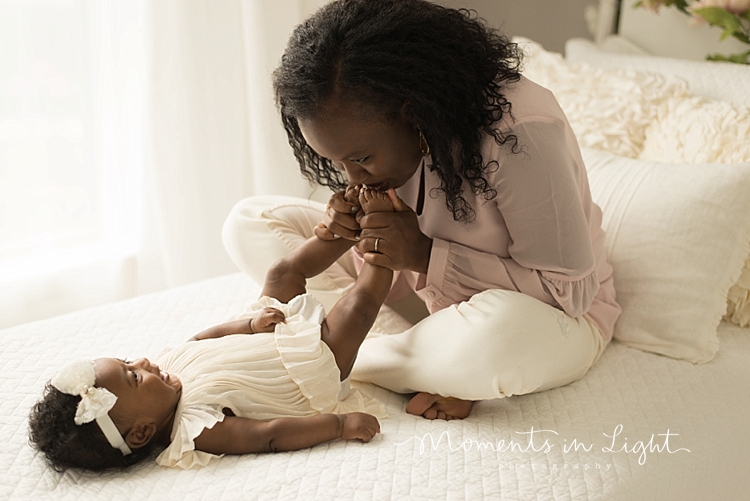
494,227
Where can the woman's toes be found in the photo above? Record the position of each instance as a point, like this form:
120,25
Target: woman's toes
432,406
455,407
420,402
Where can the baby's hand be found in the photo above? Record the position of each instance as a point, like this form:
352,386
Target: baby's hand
267,320
358,425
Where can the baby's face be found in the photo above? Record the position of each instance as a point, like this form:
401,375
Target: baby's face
144,392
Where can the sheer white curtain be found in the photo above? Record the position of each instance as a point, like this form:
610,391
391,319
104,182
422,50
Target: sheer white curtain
128,129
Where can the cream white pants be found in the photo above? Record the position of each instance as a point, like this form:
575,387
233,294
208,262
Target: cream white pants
497,344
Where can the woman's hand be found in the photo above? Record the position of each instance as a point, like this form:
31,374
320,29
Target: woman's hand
339,221
402,245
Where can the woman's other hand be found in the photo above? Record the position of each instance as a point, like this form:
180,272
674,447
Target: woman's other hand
402,244
339,220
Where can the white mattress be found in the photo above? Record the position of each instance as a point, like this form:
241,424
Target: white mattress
705,406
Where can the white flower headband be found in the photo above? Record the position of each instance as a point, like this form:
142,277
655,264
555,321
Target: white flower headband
78,378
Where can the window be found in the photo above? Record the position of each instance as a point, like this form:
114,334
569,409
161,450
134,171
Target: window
72,113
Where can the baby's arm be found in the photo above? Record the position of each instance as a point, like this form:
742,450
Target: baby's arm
264,322
237,435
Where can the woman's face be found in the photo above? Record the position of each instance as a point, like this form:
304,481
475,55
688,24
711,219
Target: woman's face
375,152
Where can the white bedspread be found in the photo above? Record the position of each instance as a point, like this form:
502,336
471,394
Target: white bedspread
705,408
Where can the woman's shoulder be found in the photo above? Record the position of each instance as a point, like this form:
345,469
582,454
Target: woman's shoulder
534,112
531,102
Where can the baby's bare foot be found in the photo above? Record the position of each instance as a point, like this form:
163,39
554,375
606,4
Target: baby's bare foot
375,201
351,194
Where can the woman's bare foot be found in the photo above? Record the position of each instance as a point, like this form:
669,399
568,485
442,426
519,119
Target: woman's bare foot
432,406
375,201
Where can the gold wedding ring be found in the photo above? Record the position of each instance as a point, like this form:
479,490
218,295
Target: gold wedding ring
377,241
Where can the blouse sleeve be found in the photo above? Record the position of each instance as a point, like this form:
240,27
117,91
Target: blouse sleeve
551,255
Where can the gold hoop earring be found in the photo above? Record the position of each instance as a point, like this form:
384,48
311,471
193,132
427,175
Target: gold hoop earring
423,145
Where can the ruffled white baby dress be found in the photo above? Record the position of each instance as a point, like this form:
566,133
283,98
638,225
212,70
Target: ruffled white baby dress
289,372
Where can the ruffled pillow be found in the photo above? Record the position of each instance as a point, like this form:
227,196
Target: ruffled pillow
695,130
608,109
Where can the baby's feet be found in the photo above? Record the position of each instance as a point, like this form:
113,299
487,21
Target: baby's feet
432,406
375,201
351,194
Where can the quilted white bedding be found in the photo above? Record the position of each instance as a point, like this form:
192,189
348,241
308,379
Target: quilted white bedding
638,426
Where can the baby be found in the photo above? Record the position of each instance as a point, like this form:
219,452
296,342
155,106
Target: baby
276,381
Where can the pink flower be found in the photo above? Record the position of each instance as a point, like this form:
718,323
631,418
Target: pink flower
738,6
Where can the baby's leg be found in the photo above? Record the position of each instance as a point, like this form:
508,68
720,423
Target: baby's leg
260,230
352,316
288,276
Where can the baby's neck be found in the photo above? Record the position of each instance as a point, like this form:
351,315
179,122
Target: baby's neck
163,434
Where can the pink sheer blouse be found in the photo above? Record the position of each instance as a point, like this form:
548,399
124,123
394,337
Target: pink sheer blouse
541,235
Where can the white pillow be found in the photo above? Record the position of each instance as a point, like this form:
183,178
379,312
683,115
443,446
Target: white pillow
608,109
677,237
709,79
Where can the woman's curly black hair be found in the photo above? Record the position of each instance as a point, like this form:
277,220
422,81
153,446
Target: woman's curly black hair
446,64
53,431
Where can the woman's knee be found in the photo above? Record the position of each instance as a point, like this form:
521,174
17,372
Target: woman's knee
521,344
260,230
258,214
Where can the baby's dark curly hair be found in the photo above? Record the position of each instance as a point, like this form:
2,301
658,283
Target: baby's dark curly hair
446,64
53,431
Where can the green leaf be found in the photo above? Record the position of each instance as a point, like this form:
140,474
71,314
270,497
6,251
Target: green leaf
716,16
743,58
681,4
726,34
746,15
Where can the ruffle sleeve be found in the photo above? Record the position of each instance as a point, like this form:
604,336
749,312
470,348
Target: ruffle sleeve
190,421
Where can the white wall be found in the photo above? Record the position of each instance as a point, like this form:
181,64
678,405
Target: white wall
669,33
548,22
